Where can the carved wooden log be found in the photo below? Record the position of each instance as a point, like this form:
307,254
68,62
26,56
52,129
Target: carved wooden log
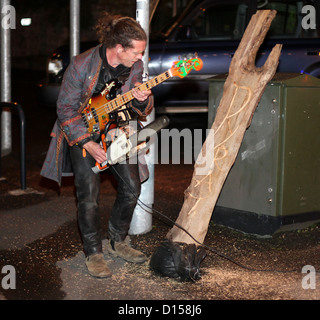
242,91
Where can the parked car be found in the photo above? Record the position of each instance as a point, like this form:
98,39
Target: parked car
213,29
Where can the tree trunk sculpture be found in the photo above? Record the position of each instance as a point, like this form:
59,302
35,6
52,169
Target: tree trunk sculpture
242,92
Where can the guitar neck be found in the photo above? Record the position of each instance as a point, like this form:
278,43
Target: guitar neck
95,113
126,97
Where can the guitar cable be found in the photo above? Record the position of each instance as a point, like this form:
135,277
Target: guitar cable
151,211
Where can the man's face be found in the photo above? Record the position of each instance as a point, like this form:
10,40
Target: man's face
129,56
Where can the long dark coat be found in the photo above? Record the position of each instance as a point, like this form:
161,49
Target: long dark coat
77,86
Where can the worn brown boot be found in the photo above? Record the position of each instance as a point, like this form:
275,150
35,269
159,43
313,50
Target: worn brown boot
97,266
124,251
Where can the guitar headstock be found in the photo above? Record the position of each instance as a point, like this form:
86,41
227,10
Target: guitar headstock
184,66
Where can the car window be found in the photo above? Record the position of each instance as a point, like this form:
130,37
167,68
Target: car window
165,14
221,21
287,23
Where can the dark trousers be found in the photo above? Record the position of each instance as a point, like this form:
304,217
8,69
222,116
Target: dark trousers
87,185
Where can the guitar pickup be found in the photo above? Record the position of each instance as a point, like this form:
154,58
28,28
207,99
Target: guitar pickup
95,116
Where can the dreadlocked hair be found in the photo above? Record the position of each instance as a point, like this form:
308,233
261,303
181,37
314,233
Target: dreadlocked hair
113,30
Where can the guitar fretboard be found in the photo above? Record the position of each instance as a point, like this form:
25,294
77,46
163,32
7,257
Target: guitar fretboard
126,97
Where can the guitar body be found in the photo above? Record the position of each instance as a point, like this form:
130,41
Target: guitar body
97,121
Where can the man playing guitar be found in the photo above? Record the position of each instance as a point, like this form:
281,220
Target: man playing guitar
119,55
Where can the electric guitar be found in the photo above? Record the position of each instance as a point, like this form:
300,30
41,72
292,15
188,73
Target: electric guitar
98,115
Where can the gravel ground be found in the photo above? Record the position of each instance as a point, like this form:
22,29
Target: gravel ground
39,237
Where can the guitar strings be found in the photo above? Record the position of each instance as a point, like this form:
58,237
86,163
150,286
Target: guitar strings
126,97
162,77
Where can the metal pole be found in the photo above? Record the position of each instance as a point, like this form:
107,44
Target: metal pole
142,218
23,173
18,107
74,27
7,22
